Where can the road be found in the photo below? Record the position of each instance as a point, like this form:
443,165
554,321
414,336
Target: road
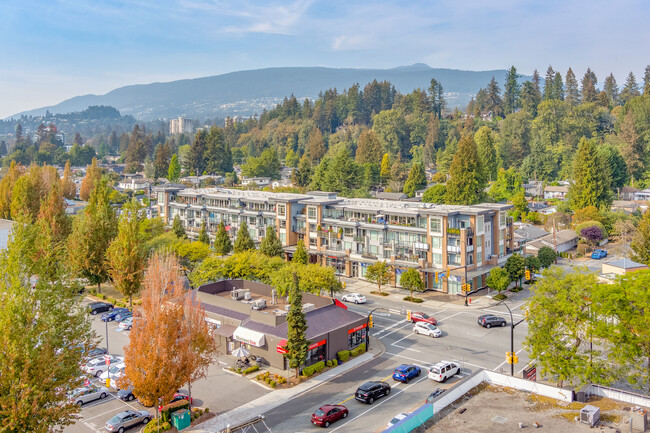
463,341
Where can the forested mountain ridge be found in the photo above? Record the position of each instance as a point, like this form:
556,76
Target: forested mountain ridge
248,92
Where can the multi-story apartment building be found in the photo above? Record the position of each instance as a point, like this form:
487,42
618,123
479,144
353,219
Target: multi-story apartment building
449,245
181,125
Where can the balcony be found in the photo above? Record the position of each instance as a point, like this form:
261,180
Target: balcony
360,239
301,230
369,256
406,258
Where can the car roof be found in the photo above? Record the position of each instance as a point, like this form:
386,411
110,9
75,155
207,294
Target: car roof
327,407
443,363
369,384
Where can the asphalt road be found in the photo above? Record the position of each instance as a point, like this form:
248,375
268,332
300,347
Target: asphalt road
462,340
207,392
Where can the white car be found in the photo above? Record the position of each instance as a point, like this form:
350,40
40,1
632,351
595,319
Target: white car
443,371
354,297
397,419
97,366
116,371
86,394
426,328
126,324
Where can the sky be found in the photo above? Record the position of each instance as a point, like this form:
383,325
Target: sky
56,49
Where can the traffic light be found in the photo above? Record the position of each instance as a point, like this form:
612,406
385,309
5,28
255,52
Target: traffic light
508,358
515,359
436,277
408,315
527,274
511,358
370,324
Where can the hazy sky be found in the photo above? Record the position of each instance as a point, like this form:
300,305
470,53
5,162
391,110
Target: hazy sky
56,49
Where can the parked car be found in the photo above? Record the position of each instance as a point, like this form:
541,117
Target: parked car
397,419
326,415
123,315
177,397
354,297
426,328
599,254
422,317
371,391
435,394
127,323
125,394
99,307
94,353
443,371
86,394
126,419
116,371
110,316
490,320
97,366
406,372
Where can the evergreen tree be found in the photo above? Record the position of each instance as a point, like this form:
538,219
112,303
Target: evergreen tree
177,228
300,256
368,148
271,245
493,102
3,148
487,152
558,87
203,234
633,148
536,87
615,165
384,171
174,171
436,95
291,159
529,98
136,151
222,244
646,81
90,180
572,96
315,145
431,140
630,90
68,187
161,158
301,176
611,90
467,180
416,181
243,242
435,194
589,81
194,161
297,343
590,178
549,86
512,93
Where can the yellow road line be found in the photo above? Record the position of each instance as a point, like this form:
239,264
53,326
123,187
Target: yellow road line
352,396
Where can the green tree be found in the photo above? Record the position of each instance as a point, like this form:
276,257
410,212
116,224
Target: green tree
507,185
368,148
203,234
467,180
177,228
498,279
297,343
641,241
515,268
611,90
436,95
161,160
589,81
556,346
546,256
222,244
416,181
266,165
512,93
487,152
301,255
174,171
572,95
435,194
92,233
646,81
493,101
384,171
590,178
313,278
301,176
271,245
532,263
291,159
243,242
379,273
40,328
411,281
316,148
615,165
125,255
630,90
390,127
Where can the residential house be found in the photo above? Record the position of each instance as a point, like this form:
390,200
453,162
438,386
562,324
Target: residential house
527,233
134,184
627,193
259,181
642,195
556,192
626,206
562,241
534,188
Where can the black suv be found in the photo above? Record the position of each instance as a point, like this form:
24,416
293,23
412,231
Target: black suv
489,320
371,391
99,307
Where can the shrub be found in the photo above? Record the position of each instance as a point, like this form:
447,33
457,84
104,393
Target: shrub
319,366
170,408
251,369
101,296
273,384
166,426
92,291
207,410
258,377
329,363
362,348
308,371
415,300
343,355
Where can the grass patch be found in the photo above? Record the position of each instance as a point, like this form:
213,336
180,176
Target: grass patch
416,300
516,289
499,297
374,292
571,416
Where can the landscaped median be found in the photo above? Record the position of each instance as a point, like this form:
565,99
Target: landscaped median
164,423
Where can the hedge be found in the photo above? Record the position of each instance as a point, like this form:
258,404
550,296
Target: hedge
343,355
153,427
315,368
250,369
170,408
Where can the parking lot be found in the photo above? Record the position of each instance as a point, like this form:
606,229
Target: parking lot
207,392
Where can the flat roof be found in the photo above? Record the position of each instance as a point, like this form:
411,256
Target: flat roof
242,194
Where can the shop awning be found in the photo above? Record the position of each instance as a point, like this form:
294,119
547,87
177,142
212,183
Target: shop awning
249,336
283,343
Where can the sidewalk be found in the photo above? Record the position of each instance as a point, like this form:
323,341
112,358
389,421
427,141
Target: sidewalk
276,398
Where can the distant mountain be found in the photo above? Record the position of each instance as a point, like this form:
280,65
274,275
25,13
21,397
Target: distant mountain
245,93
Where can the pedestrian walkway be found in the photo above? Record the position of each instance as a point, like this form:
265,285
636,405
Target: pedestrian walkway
274,399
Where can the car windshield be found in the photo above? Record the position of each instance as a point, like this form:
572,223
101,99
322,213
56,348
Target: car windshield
424,316
435,370
366,386
319,412
432,327
115,420
114,369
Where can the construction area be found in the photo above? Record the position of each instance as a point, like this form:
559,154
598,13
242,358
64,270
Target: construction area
493,408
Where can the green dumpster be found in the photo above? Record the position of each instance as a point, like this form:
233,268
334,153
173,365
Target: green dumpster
181,419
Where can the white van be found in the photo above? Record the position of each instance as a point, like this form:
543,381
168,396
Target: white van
443,371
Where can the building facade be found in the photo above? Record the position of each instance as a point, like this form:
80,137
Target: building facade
449,245
181,126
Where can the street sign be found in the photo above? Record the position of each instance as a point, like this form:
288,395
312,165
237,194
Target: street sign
107,359
530,373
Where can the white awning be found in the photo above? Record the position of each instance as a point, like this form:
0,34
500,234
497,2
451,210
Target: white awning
249,336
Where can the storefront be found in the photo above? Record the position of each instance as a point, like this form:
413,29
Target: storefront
317,351
357,335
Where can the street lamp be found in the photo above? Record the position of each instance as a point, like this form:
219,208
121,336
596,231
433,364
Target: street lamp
368,326
512,338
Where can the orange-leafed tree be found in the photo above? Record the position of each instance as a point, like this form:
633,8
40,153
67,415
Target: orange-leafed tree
92,177
68,187
170,342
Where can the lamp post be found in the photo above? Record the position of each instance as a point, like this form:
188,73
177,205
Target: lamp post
512,338
368,326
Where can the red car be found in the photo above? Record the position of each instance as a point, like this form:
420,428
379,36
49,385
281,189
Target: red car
178,396
325,415
423,317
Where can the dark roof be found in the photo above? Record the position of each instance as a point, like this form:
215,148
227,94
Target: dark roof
224,311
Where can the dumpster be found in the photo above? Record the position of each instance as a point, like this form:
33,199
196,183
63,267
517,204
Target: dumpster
181,419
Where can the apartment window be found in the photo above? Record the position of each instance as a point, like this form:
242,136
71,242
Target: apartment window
479,241
311,212
502,219
436,258
374,249
348,231
374,235
347,245
436,242
282,210
479,224
435,224
235,218
161,197
251,221
479,257
283,224
283,238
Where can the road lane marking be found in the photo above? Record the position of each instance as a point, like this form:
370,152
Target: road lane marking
382,380
382,401
432,363
395,343
453,315
504,362
501,312
390,327
395,330
406,348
